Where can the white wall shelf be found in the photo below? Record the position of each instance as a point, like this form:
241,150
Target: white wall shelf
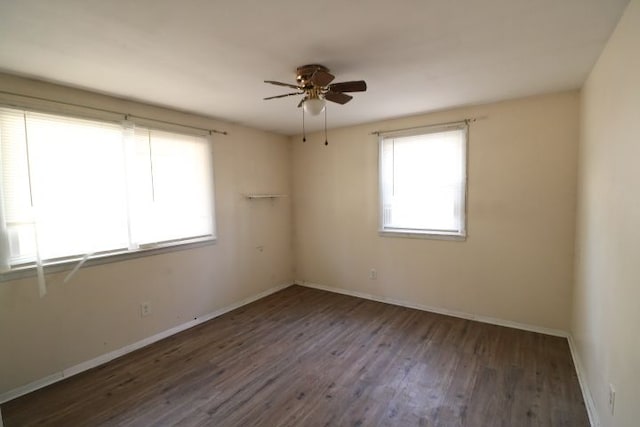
264,196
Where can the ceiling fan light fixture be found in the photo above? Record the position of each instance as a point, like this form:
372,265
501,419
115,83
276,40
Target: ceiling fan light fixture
315,83
314,106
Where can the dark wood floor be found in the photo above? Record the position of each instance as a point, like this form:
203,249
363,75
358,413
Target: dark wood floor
303,357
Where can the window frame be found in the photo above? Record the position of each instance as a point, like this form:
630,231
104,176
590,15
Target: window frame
65,264
29,269
460,235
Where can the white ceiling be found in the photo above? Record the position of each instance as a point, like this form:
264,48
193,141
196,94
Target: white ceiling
211,57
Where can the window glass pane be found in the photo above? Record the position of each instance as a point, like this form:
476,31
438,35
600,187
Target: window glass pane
77,183
423,181
15,178
178,195
74,186
17,226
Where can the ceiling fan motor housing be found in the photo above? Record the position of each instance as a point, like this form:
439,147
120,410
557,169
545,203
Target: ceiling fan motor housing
305,72
314,81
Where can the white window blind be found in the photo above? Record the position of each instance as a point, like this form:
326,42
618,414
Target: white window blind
423,181
74,186
173,184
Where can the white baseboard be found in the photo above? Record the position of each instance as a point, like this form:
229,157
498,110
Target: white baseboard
97,361
584,386
81,367
453,313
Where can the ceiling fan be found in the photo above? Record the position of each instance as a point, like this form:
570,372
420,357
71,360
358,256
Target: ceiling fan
314,82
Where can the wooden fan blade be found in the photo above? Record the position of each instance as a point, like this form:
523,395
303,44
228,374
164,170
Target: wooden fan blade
321,78
282,96
354,86
282,84
340,98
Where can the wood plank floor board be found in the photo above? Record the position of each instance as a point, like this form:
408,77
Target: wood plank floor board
305,357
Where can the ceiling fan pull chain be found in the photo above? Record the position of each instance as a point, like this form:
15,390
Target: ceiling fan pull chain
304,135
314,83
326,141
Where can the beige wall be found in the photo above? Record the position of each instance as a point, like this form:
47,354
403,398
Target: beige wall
516,263
98,310
606,320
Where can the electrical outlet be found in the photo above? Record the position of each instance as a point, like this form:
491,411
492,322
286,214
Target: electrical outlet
612,398
373,274
145,309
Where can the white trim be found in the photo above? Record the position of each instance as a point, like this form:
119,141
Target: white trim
81,367
64,264
584,386
461,204
32,386
387,232
447,312
97,361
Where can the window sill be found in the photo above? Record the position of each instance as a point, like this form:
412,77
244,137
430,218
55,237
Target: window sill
106,258
430,235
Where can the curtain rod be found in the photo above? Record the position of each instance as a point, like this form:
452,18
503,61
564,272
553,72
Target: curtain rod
457,122
125,115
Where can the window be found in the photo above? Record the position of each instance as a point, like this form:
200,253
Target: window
423,181
71,187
